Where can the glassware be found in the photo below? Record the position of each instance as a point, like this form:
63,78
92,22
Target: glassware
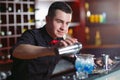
84,65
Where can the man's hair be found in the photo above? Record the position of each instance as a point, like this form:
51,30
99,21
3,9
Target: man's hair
59,6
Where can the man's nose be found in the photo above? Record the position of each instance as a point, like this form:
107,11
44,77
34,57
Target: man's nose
63,26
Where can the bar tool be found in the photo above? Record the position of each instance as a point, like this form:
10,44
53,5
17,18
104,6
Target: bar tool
105,59
72,49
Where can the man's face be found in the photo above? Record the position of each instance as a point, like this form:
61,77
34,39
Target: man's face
58,25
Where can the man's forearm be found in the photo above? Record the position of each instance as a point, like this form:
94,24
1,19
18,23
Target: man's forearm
24,51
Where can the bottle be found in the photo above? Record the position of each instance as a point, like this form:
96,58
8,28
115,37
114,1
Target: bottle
97,38
87,32
1,45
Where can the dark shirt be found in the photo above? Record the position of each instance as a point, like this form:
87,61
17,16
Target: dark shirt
34,69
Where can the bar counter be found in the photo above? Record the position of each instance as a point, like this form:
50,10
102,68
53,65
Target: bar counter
113,74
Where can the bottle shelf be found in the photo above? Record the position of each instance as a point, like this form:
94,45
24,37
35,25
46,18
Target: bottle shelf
16,16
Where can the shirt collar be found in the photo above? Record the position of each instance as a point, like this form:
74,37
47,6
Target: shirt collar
47,37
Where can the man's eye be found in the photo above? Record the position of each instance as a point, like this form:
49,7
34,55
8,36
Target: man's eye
59,21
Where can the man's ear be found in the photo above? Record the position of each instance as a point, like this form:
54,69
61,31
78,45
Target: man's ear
47,18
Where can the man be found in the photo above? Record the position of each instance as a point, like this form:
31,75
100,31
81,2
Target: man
34,57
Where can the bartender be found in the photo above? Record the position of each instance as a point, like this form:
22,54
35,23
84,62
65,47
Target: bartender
34,56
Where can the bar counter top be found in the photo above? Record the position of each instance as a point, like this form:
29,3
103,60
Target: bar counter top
113,74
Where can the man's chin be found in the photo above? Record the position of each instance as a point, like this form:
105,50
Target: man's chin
60,36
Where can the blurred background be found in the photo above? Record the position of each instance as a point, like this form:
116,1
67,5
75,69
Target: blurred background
95,23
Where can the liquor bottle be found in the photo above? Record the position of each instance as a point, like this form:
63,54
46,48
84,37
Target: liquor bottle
97,38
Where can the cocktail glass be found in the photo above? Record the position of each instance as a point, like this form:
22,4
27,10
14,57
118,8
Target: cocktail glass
84,65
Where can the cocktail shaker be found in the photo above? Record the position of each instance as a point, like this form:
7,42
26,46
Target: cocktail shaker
72,49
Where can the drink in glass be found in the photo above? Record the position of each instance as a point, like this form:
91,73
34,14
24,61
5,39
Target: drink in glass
84,65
